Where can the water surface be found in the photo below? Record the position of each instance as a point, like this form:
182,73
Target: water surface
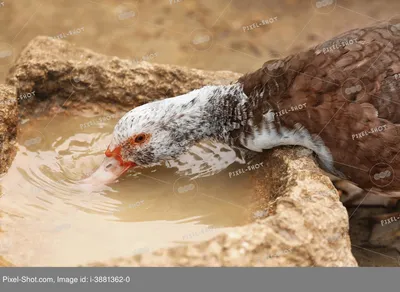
47,219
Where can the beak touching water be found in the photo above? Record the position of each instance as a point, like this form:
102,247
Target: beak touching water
111,168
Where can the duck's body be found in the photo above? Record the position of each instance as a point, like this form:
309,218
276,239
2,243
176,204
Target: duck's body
342,103
351,103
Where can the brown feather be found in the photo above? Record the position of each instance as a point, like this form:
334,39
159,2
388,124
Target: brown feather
352,97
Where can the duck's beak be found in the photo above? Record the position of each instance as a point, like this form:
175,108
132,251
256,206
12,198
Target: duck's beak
110,169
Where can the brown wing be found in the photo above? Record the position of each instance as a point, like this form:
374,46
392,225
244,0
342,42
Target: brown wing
351,92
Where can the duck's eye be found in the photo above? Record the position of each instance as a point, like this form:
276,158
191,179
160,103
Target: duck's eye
140,138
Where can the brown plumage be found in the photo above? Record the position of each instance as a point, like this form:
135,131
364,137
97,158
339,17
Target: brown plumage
351,95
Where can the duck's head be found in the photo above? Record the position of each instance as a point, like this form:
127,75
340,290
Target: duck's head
145,136
163,130
153,133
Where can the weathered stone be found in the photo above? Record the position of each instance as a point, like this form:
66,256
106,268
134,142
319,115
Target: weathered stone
8,126
307,226
64,76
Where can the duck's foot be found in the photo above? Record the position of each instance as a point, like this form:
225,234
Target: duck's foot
352,195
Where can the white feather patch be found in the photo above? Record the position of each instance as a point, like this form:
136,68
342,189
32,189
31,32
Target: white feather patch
205,159
268,137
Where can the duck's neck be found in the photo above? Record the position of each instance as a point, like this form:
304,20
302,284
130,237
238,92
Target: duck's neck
212,112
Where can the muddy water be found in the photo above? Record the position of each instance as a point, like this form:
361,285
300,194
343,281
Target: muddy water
47,219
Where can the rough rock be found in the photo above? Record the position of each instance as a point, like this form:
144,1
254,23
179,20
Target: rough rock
307,224
69,77
8,126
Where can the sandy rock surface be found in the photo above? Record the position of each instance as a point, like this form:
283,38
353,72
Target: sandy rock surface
307,226
8,126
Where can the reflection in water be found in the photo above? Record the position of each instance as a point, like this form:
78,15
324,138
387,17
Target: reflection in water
47,219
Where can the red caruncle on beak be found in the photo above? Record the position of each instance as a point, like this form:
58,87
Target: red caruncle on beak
116,154
112,167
